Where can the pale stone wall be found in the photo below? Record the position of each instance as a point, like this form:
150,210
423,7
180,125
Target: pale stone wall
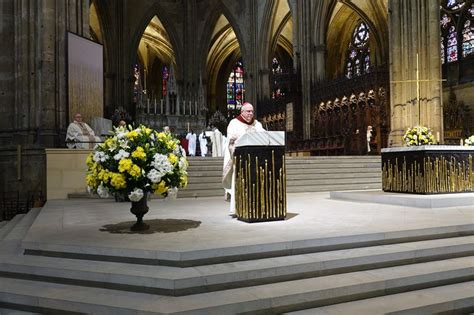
65,172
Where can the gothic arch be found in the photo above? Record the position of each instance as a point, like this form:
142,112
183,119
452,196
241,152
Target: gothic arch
137,33
345,17
223,51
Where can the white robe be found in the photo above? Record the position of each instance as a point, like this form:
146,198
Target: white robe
80,136
216,141
191,137
235,130
203,144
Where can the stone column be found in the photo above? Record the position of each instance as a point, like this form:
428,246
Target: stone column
304,31
414,28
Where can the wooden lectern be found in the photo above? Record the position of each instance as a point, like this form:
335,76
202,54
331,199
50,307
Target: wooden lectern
260,178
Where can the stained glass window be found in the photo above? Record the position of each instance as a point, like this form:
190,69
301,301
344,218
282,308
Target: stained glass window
358,53
235,88
468,39
452,45
457,30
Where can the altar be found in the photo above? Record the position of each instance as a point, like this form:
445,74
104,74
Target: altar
430,169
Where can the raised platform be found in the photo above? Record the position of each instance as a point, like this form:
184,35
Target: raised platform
78,256
404,199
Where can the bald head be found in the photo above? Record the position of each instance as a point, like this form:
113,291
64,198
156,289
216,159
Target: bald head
246,111
246,106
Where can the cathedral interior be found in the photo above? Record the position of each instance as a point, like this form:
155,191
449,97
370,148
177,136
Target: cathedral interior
321,70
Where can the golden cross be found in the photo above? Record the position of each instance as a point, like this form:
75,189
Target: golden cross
417,80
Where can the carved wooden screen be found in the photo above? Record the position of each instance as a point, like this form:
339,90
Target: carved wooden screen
342,112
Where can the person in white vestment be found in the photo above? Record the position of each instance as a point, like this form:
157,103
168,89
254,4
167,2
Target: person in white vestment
242,124
191,137
216,142
203,143
79,135
369,136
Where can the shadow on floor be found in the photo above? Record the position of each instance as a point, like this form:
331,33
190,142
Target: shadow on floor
156,226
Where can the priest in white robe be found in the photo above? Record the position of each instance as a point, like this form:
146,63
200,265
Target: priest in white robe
203,143
242,124
216,141
191,137
79,135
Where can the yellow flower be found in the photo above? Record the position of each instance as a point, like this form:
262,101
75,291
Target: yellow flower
132,134
135,171
118,181
148,131
139,153
162,136
91,181
173,158
183,181
104,176
89,160
125,165
110,143
160,188
170,144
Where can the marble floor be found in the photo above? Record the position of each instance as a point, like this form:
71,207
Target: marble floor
80,225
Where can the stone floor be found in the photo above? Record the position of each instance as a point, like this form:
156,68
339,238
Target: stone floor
80,224
79,255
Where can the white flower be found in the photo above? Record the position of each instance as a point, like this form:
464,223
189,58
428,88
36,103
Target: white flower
183,165
162,164
121,133
154,176
121,154
135,195
100,156
102,191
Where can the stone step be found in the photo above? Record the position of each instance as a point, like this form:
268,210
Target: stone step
22,226
333,181
371,175
448,299
329,171
270,298
10,225
9,311
190,258
185,281
327,187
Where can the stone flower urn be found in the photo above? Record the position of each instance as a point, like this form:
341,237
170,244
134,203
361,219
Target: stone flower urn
139,209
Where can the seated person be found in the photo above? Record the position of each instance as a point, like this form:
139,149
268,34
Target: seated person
79,135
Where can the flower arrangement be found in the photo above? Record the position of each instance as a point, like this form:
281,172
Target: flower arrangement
469,141
418,135
132,162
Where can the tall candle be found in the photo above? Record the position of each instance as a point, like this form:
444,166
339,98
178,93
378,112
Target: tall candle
155,106
188,126
462,142
437,137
